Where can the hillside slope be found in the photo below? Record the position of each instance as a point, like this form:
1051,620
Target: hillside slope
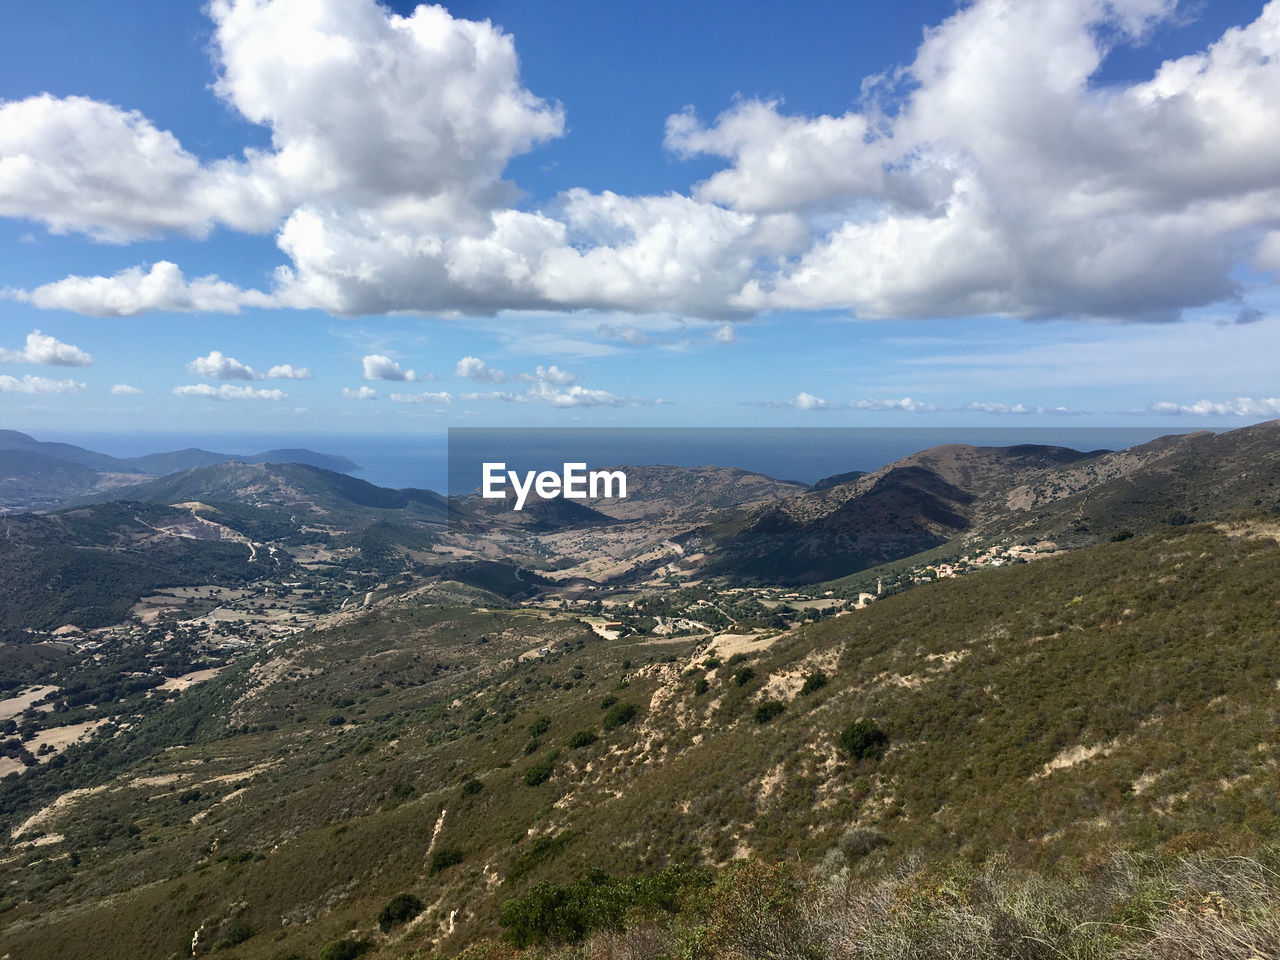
1122,695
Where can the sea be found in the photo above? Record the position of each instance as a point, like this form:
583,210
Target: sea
450,461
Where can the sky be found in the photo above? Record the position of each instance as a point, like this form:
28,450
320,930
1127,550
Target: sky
342,216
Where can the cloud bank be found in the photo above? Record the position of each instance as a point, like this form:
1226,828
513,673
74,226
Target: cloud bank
992,175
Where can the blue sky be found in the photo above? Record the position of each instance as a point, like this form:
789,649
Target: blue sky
329,215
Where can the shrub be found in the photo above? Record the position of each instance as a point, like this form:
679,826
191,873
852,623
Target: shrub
608,702
539,727
619,714
744,676
402,908
443,859
540,772
712,662
472,787
342,950
701,686
769,710
1121,535
583,738
863,740
813,683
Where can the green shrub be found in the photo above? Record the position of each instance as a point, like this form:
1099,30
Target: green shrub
712,662
608,702
744,676
402,908
472,787
769,710
813,683
444,858
1121,535
539,727
583,738
863,740
540,772
343,950
701,686
619,714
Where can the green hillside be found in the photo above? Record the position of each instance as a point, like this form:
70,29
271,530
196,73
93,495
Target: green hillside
1044,715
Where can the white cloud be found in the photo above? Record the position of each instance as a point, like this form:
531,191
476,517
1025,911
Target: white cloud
228,392
30,384
124,390
807,401
993,175
135,291
1238,407
361,393
441,397
551,374
577,396
42,348
216,366
287,371
473,368
725,333
379,367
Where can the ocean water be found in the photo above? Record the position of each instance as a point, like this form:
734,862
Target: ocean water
451,462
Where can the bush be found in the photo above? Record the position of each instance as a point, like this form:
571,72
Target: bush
608,702
701,686
863,740
1121,535
583,738
619,714
813,683
744,676
540,772
472,787
444,858
539,727
769,710
343,950
402,908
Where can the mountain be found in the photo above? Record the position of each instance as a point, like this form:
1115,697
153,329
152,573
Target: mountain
29,481
1115,702
286,486
982,494
909,506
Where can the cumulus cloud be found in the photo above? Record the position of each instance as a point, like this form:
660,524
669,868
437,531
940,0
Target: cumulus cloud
991,175
124,390
725,333
228,392
287,371
808,401
44,349
30,384
360,393
379,367
216,366
441,397
473,368
135,291
1237,407
578,396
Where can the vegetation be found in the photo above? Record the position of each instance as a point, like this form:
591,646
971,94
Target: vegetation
618,715
403,907
863,740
